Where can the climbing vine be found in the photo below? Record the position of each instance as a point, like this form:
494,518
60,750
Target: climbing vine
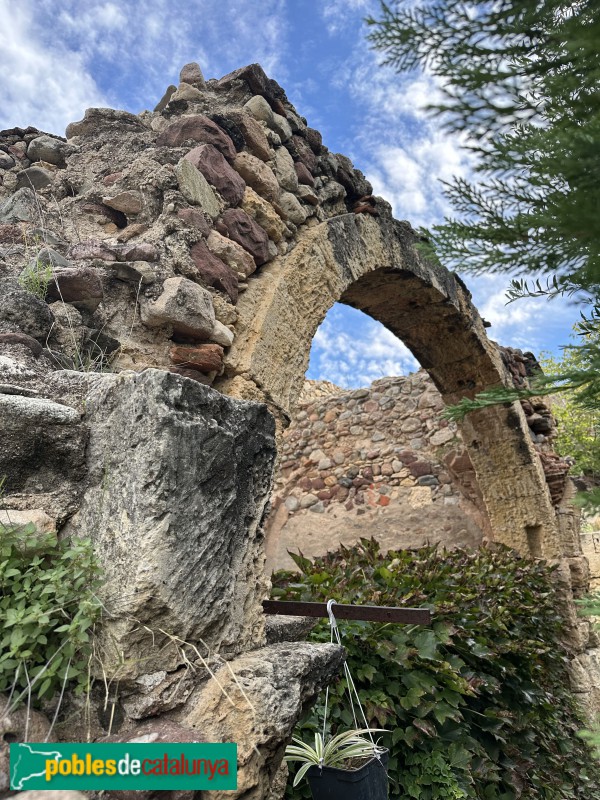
478,704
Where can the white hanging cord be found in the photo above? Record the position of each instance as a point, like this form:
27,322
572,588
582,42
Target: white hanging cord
335,632
333,627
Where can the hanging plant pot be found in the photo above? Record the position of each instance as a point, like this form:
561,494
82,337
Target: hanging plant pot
368,782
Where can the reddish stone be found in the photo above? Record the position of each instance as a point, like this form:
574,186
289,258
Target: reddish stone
406,456
317,483
253,75
197,128
245,231
92,249
22,338
194,374
195,219
214,272
139,251
305,154
229,184
108,180
384,500
279,108
253,133
324,494
18,150
80,286
315,140
256,79
305,483
192,74
420,468
205,357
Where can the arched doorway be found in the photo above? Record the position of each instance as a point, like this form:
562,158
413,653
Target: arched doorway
371,263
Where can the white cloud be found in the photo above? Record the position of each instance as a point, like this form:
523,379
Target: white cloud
534,324
58,59
338,14
42,86
351,350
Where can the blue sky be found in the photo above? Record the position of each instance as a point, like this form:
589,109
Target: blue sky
59,57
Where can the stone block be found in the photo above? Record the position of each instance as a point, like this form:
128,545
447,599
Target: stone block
205,357
263,213
232,254
244,230
228,183
184,305
194,187
200,129
179,479
214,272
258,175
80,286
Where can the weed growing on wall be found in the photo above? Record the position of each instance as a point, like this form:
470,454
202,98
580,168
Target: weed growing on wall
36,278
47,610
478,704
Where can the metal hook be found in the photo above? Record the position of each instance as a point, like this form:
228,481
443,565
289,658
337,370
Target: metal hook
332,620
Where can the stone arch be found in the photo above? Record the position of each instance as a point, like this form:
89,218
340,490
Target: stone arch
371,264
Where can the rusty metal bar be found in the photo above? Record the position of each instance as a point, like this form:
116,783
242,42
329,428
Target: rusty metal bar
414,616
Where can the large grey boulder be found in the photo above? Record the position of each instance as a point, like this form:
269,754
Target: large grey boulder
179,480
47,148
42,452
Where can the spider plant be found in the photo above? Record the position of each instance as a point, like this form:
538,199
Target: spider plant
340,748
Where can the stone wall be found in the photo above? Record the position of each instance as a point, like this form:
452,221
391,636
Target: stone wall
383,461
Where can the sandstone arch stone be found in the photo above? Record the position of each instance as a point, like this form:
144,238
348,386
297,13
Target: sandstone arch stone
371,263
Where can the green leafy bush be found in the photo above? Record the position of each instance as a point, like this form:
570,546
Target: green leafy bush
47,610
478,704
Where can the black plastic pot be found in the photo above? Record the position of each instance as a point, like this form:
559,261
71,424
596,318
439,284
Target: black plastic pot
369,782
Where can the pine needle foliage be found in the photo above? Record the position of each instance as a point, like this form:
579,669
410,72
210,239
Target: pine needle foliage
521,80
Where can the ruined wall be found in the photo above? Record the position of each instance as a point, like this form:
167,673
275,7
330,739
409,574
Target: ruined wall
208,239
383,461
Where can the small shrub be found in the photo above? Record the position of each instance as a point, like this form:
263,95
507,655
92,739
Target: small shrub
47,610
478,704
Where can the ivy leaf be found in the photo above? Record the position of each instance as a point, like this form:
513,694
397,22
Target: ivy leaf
426,727
426,644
